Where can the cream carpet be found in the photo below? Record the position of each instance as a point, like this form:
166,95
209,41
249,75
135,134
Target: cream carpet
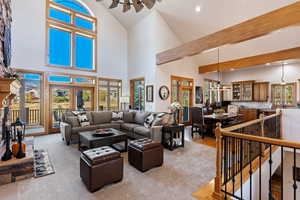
183,172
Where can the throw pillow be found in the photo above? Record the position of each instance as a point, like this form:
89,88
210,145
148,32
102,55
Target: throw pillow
149,120
83,120
117,116
159,119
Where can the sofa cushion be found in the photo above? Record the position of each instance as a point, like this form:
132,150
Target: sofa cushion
140,117
90,117
102,117
82,129
109,125
73,121
141,130
128,117
129,126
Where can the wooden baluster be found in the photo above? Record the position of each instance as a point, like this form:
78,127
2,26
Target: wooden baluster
262,117
218,179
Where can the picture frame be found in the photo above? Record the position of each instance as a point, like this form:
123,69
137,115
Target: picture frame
149,93
199,95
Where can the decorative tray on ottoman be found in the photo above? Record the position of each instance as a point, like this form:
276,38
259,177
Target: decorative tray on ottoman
103,133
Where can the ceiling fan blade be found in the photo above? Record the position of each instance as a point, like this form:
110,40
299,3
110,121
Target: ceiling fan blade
114,4
137,5
149,3
126,6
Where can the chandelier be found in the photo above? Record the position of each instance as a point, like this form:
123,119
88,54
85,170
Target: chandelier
137,4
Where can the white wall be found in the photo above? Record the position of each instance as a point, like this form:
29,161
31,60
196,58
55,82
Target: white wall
150,36
29,40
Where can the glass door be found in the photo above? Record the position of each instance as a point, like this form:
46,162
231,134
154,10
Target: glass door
60,101
186,102
84,98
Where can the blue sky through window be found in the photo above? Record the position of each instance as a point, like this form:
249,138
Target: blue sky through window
64,79
60,47
59,15
84,23
84,52
32,76
72,4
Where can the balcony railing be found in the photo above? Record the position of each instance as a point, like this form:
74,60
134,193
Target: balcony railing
242,150
32,116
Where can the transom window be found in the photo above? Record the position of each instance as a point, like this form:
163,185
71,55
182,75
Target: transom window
71,35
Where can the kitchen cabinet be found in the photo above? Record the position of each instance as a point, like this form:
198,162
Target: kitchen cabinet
261,91
242,91
236,91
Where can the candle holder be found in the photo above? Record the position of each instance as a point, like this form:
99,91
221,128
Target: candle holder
8,154
20,153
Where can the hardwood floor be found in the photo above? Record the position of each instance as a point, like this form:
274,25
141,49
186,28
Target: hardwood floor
208,141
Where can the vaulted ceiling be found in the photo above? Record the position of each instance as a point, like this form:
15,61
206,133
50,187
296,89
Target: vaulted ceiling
214,15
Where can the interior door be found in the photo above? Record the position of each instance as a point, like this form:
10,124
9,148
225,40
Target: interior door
84,98
186,102
61,100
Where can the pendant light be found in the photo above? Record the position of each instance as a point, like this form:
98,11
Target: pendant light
282,75
219,86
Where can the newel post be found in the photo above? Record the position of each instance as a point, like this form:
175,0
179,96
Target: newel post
218,179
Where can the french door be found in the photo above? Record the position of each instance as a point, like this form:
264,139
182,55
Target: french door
63,98
182,92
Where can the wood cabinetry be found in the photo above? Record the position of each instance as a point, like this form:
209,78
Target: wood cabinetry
248,114
242,91
261,91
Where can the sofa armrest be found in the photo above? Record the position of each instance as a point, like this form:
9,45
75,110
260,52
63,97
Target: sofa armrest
66,132
156,133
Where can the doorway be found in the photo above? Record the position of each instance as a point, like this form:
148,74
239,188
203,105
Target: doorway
64,98
182,92
137,94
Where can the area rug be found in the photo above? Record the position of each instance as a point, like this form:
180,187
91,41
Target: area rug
42,163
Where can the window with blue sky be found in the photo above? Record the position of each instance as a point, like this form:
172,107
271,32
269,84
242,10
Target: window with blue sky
71,35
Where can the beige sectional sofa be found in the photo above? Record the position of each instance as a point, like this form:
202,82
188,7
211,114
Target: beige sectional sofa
132,124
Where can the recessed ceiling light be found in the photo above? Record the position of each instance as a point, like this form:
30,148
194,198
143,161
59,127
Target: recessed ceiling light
268,64
198,8
232,69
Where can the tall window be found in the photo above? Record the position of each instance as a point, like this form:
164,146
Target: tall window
110,92
284,95
27,105
210,95
137,94
71,35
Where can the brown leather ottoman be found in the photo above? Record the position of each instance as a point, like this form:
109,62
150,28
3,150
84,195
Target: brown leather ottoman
100,166
145,154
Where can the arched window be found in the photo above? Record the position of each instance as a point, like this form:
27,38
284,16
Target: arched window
71,30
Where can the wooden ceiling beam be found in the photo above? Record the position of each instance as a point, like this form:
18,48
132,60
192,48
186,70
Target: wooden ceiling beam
253,61
250,29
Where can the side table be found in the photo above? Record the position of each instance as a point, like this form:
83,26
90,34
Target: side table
168,135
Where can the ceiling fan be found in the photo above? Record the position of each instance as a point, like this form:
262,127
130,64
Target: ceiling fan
137,4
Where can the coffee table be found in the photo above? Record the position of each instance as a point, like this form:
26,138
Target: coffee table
87,140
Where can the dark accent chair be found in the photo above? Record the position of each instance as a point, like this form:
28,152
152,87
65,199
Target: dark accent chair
198,125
